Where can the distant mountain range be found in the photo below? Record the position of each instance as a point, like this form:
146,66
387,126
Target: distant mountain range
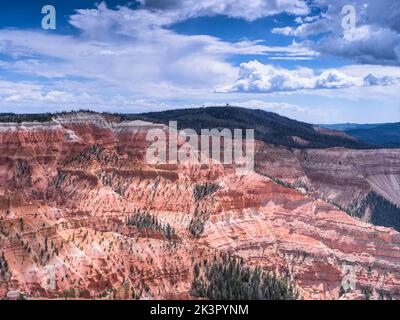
349,126
380,135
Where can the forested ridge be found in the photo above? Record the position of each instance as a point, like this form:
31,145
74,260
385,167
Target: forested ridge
227,277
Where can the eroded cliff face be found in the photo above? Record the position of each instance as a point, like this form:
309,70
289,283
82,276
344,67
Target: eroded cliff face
341,176
68,188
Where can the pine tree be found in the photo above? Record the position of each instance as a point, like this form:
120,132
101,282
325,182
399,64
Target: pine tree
229,278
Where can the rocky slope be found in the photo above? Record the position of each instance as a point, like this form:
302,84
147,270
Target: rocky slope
344,177
69,187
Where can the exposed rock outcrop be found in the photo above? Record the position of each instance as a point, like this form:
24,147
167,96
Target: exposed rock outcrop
68,188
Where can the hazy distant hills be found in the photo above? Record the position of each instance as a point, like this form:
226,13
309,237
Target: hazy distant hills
387,135
381,135
349,126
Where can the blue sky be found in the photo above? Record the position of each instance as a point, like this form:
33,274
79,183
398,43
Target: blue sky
290,57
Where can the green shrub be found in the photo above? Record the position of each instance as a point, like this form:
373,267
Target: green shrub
196,225
202,190
147,221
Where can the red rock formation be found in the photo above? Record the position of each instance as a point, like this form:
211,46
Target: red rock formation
69,186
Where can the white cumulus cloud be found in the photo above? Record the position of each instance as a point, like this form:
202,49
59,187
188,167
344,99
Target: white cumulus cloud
265,78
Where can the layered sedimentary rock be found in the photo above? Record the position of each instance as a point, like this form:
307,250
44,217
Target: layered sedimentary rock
69,187
342,176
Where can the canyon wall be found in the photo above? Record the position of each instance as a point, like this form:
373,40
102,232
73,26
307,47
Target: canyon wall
68,188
